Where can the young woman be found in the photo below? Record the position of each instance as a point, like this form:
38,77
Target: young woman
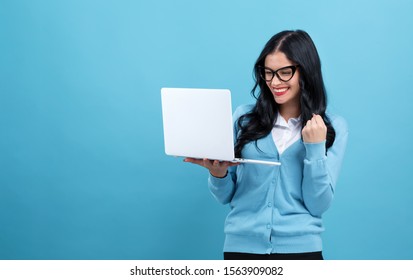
276,211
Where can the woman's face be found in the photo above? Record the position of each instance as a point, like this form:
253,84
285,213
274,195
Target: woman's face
285,93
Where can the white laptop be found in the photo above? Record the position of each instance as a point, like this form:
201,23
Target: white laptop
198,123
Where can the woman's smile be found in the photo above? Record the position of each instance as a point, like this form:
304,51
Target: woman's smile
280,91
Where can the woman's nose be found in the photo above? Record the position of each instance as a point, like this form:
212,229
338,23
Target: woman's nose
275,81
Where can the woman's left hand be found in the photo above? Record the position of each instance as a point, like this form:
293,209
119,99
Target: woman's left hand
315,130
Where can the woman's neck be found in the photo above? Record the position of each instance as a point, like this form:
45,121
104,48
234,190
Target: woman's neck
288,112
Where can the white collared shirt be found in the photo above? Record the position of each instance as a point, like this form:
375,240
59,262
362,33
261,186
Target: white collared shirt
285,134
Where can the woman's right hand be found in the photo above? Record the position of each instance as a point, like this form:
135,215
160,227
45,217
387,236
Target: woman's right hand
217,168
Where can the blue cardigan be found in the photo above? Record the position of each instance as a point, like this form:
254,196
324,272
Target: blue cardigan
278,209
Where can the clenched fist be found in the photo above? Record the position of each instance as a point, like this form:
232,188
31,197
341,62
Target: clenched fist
315,130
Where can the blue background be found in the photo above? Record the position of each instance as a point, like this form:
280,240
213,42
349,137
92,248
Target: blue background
83,173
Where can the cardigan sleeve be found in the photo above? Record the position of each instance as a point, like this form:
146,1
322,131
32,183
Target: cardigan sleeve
223,188
321,169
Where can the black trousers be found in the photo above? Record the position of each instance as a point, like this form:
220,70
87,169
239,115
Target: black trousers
295,256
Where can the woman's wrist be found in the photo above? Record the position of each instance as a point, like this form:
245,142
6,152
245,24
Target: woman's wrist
220,176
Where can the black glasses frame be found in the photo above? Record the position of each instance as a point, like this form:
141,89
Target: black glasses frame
275,72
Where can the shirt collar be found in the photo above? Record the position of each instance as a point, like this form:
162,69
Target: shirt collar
292,122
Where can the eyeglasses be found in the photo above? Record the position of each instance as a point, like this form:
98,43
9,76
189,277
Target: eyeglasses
283,74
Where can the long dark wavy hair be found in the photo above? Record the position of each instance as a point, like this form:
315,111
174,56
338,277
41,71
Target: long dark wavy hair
299,48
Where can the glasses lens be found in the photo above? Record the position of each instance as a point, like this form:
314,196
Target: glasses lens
285,74
266,74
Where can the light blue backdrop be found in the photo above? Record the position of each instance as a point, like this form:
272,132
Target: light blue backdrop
83,174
